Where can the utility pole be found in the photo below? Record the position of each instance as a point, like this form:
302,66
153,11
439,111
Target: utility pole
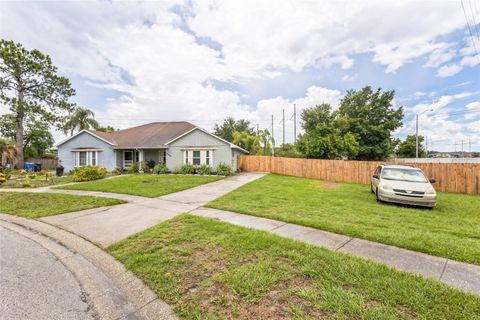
258,129
426,144
273,139
463,156
283,123
295,124
416,131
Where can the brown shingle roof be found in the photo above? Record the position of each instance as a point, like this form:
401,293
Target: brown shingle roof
151,135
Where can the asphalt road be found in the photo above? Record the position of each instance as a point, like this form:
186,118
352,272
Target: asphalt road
34,284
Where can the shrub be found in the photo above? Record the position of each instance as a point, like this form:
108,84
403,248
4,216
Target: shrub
133,169
224,169
32,175
151,164
89,173
26,183
177,170
161,168
47,174
3,178
143,167
204,169
23,172
117,171
187,169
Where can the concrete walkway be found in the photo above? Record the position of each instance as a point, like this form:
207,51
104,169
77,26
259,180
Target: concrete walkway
107,225
457,274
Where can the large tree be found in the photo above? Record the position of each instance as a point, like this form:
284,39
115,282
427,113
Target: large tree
230,126
247,141
371,116
325,135
37,138
407,148
30,85
79,120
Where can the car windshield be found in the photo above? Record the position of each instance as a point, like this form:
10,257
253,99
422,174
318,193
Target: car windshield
403,175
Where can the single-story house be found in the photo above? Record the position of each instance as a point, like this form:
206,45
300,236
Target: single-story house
171,143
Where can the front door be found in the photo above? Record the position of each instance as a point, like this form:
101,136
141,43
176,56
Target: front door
127,159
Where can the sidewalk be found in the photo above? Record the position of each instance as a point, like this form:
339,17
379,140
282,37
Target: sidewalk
457,274
107,225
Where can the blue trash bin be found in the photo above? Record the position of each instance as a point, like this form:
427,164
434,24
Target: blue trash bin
29,166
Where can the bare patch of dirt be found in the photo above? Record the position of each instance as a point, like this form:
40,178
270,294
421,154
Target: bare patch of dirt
407,313
220,300
327,185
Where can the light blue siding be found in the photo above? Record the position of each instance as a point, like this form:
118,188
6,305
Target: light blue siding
106,155
222,152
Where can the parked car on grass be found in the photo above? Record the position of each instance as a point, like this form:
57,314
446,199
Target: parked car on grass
403,184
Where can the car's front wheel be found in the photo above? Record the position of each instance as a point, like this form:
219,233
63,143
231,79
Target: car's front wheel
371,188
376,195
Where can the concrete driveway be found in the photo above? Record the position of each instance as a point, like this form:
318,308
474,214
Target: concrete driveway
107,225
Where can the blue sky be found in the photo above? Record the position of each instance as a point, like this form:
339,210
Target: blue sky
201,61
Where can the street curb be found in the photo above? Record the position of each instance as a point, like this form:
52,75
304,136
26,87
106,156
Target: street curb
112,290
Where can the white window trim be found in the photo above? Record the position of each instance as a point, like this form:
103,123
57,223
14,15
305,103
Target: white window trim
88,158
203,156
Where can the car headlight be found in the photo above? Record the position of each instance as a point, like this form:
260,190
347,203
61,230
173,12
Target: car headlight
430,190
386,186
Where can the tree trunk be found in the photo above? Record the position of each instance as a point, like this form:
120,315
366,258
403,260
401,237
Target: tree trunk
19,130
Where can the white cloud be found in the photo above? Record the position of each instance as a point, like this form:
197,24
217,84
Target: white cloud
449,70
472,107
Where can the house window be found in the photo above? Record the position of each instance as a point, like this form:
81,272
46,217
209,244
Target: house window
82,158
196,157
85,158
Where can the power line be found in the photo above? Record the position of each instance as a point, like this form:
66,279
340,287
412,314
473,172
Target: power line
474,20
470,31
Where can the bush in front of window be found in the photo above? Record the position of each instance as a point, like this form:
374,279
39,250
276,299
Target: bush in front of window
133,168
187,169
89,173
204,169
224,169
117,171
160,168
151,164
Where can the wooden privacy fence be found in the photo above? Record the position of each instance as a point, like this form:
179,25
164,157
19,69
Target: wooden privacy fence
451,177
47,164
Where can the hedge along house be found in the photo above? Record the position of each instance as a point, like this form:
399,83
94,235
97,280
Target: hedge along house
171,143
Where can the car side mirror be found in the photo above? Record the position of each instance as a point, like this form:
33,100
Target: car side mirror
432,180
375,176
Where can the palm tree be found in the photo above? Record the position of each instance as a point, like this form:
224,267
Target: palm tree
80,119
8,151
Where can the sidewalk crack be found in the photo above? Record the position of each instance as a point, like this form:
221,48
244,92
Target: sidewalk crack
443,269
344,244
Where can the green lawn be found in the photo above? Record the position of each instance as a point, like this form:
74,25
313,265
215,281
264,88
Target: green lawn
208,269
39,181
450,230
36,205
146,185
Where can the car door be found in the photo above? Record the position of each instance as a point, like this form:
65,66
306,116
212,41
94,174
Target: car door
376,178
